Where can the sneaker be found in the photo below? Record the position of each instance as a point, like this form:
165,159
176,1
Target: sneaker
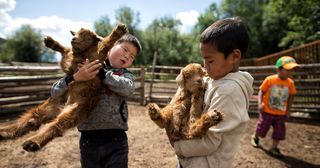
276,152
254,141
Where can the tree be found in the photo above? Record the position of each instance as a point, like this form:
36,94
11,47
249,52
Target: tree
276,25
210,15
26,45
250,11
127,16
164,39
298,21
103,26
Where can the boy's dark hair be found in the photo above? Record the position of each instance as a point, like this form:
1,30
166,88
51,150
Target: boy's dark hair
131,39
227,34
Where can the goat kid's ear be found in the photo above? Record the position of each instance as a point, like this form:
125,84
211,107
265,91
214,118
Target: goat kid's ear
180,78
98,38
72,32
204,72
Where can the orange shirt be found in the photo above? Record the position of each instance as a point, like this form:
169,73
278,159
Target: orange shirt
276,94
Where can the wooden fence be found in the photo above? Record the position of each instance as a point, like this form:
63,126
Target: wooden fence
304,54
307,80
23,86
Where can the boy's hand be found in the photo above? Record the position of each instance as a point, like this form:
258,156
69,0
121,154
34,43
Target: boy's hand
87,71
260,107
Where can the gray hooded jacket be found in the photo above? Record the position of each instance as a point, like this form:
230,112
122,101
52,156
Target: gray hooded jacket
111,111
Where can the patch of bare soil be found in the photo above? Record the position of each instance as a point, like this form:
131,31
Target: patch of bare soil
149,148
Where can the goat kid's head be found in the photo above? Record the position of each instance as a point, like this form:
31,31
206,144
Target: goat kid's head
83,39
191,78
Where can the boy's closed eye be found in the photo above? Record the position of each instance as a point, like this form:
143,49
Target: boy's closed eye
128,51
209,61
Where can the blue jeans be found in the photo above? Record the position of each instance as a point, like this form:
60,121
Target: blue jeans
104,149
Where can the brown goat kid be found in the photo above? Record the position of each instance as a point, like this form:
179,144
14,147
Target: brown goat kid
183,117
67,109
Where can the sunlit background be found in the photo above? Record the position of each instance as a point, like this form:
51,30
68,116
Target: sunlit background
57,18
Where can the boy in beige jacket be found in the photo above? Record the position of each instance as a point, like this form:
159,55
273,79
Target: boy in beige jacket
222,45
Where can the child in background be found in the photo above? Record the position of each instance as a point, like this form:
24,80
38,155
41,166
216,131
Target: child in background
103,141
228,90
274,103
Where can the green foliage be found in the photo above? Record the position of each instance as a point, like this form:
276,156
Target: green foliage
103,26
25,45
127,16
272,25
210,15
3,56
276,25
301,21
250,11
165,41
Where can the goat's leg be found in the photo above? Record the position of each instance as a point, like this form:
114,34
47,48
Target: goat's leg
177,120
30,120
54,45
160,116
155,114
201,126
196,105
69,117
109,40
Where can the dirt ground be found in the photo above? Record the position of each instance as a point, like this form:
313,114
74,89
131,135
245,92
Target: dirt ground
149,148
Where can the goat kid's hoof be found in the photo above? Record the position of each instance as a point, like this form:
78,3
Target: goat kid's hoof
48,41
122,29
30,146
153,111
214,118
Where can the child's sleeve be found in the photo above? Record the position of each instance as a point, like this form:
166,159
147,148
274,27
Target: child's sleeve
59,86
209,143
292,88
264,86
122,85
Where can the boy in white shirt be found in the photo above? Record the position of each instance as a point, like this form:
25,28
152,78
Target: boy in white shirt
222,45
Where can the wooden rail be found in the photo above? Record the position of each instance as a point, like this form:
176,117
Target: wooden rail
22,87
304,54
307,79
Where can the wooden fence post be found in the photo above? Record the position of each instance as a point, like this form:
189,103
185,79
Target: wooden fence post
142,75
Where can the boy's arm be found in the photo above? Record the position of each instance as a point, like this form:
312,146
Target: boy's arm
86,71
260,101
122,85
290,100
198,147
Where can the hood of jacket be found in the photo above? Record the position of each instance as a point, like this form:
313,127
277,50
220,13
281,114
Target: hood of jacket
245,81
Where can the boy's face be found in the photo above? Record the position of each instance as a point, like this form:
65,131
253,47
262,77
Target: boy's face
122,55
285,74
215,62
